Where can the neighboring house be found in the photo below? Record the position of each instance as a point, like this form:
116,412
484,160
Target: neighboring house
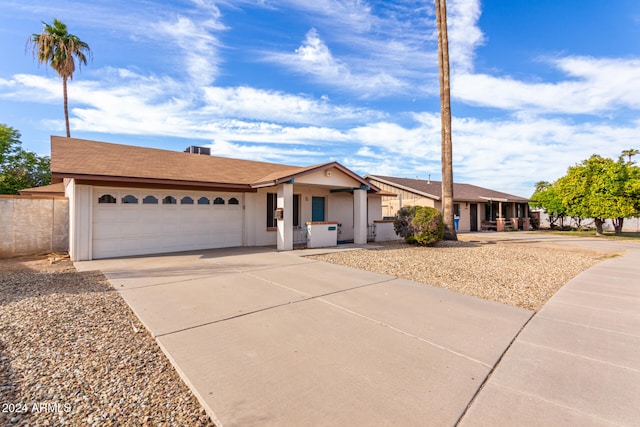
478,208
126,200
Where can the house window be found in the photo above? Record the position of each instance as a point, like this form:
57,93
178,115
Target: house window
203,201
456,209
169,200
272,204
186,200
130,199
234,201
150,200
106,198
218,201
296,210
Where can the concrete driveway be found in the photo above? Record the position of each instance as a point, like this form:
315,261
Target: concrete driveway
268,338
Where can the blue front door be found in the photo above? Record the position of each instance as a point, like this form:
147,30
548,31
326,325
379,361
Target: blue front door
317,209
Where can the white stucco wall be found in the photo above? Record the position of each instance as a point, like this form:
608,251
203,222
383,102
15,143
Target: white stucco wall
80,229
331,177
341,210
374,208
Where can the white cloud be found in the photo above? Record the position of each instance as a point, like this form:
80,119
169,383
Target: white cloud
23,87
463,33
265,152
591,86
250,103
197,44
314,57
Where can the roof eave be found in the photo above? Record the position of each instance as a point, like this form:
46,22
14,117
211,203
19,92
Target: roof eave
403,187
320,167
156,181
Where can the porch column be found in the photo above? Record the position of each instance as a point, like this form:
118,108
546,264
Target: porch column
360,216
499,209
285,226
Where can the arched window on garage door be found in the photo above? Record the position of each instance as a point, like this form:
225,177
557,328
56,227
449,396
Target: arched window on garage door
186,200
203,201
169,200
106,198
150,200
130,199
233,201
218,201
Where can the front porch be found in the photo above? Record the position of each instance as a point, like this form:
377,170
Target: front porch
308,215
504,215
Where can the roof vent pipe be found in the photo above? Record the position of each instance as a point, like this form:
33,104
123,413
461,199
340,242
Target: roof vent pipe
429,179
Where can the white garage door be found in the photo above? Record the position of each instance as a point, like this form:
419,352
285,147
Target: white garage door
139,221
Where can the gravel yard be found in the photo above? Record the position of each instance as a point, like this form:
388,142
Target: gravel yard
523,275
73,353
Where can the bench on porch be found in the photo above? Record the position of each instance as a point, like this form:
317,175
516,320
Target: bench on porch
493,225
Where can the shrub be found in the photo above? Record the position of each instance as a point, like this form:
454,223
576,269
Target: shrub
402,221
419,225
428,226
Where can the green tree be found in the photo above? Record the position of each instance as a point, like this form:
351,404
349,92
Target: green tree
445,115
601,188
56,47
630,153
20,169
546,197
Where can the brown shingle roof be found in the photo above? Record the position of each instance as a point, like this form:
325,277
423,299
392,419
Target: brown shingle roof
461,192
91,160
52,189
71,156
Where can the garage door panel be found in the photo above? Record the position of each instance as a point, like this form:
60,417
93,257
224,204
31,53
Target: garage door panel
150,228
106,214
137,228
130,228
126,214
170,242
150,243
106,246
187,227
107,230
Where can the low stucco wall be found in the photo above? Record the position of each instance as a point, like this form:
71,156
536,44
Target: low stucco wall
33,225
385,231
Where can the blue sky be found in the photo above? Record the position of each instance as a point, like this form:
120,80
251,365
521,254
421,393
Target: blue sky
537,86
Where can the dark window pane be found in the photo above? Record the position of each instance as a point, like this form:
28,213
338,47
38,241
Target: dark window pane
149,200
203,201
233,201
218,201
130,199
169,200
296,210
106,198
272,200
186,200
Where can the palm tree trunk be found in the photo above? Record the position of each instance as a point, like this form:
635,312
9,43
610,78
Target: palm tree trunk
66,106
445,114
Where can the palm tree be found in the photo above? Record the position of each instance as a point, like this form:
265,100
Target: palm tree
445,114
630,153
56,47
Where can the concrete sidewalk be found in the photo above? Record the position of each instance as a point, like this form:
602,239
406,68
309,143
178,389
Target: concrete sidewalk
577,362
267,338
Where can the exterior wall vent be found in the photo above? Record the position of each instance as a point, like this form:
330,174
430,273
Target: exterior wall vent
205,151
